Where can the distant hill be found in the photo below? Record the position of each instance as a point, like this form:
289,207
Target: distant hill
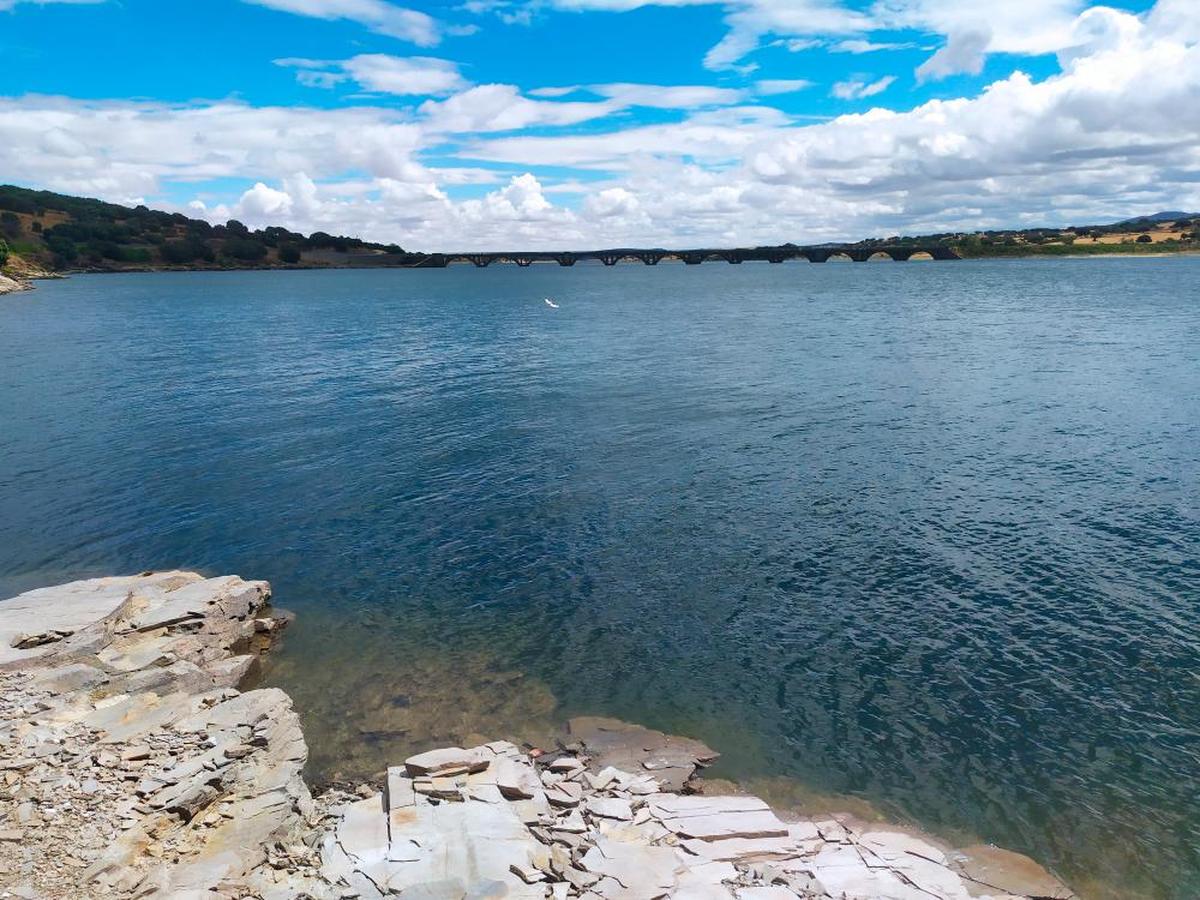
57,232
48,232
1168,216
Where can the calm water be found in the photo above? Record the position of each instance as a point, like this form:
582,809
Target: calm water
927,534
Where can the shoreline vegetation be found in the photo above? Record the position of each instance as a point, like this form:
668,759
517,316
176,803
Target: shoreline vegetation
140,760
46,235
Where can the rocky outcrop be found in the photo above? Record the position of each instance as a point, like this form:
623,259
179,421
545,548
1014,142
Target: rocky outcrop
131,765
11,285
493,821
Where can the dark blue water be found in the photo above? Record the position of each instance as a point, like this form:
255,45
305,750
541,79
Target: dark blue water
927,534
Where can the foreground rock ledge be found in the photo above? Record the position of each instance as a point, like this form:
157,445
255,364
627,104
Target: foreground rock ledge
132,766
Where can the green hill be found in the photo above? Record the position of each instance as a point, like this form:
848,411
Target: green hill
56,232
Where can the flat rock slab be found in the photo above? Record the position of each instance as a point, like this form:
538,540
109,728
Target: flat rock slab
717,818
69,608
447,762
670,759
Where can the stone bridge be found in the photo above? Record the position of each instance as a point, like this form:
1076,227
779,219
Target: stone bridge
652,257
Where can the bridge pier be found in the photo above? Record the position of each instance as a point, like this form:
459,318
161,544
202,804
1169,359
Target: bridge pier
565,260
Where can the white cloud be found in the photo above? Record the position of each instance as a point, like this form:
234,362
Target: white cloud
500,107
859,46
964,52
555,92
773,86
13,4
1109,136
1014,26
377,15
400,75
857,89
667,97
624,95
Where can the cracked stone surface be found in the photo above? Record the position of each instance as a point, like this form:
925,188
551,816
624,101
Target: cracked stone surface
131,765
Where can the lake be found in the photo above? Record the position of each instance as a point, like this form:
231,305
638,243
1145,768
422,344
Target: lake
924,535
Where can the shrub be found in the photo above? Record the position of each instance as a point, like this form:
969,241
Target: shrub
180,253
244,249
3,252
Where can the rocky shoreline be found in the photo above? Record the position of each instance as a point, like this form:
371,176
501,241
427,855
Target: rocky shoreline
11,285
132,765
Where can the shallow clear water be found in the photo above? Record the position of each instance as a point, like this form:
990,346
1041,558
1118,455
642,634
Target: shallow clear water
926,534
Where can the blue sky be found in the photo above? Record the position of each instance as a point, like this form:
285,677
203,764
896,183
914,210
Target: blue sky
575,122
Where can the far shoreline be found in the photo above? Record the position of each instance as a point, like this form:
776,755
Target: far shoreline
25,282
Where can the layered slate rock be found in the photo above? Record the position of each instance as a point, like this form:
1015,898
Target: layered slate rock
131,760
493,829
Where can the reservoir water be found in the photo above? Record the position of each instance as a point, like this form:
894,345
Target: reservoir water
925,535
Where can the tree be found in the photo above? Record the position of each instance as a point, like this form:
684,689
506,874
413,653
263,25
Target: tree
244,249
64,250
289,253
3,252
180,253
1145,239
10,224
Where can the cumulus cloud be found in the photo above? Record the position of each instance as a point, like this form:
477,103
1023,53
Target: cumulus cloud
1111,134
1015,26
377,15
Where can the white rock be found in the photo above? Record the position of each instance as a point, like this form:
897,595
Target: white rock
609,808
448,761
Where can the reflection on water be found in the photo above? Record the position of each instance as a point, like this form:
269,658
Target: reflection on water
927,536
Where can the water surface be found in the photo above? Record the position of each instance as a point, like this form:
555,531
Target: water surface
926,534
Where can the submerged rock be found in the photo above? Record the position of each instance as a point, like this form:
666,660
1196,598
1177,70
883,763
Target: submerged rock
672,761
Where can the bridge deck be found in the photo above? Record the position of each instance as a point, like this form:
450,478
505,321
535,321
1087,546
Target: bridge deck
652,257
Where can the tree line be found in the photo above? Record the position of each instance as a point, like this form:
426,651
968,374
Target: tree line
65,232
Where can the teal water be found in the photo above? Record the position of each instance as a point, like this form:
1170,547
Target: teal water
926,534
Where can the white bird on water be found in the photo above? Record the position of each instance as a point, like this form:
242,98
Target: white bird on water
550,303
